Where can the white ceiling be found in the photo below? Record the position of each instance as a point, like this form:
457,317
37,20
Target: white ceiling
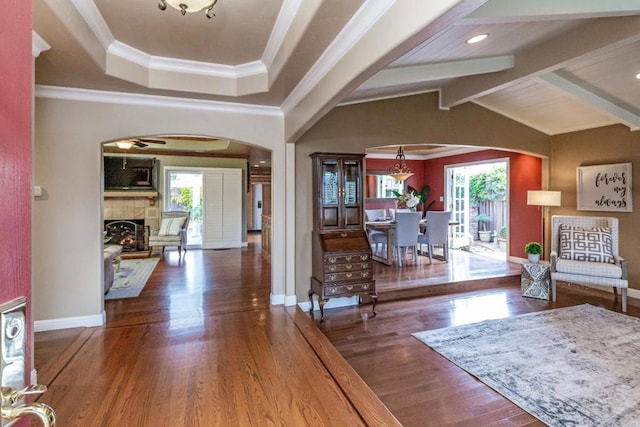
557,66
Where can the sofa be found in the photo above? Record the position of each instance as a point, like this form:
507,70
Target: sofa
111,257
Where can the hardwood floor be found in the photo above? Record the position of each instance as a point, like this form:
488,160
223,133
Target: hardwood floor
202,347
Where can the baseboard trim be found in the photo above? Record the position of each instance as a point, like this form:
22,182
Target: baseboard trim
332,303
290,300
70,322
633,293
277,299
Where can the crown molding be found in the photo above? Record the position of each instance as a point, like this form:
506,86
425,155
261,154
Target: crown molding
91,15
38,45
123,98
370,12
281,29
130,64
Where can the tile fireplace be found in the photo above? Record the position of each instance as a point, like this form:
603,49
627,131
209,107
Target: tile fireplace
131,234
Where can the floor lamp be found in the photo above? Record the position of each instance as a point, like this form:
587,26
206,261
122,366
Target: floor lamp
544,199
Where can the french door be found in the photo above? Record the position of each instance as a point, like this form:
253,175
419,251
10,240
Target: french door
458,204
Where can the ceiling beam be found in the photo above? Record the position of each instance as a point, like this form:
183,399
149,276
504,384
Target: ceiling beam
389,77
597,101
593,38
505,11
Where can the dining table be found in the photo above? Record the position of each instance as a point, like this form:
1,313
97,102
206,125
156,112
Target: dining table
387,226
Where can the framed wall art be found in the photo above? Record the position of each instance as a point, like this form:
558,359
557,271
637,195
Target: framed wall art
605,188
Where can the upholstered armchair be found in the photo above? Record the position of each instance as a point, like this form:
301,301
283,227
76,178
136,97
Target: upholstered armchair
172,232
584,250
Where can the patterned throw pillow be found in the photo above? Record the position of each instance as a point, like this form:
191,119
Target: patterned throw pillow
171,226
586,244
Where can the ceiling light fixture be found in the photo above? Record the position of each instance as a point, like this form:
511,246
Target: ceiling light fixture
124,145
638,76
400,171
478,38
185,6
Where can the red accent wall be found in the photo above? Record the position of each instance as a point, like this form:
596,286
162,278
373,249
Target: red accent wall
525,173
16,62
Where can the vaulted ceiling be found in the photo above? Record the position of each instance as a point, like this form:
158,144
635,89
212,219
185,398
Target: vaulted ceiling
557,66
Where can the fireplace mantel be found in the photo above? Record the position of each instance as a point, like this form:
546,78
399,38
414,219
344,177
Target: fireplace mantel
151,195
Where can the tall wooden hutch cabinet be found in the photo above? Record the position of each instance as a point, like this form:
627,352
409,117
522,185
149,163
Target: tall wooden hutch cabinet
341,252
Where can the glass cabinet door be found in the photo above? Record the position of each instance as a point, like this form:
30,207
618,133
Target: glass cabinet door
351,182
352,196
330,183
339,198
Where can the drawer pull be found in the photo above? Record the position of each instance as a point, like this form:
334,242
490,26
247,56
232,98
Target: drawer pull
332,260
348,258
350,287
349,274
365,287
364,257
365,274
332,277
333,290
343,234
332,268
365,265
348,266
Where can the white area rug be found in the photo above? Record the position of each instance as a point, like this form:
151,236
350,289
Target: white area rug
132,277
575,366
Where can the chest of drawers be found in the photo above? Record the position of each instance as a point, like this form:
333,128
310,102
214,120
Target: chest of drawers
342,267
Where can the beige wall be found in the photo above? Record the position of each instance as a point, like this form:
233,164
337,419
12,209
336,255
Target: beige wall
612,144
67,164
410,120
67,220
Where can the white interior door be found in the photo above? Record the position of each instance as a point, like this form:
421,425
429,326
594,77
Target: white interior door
222,215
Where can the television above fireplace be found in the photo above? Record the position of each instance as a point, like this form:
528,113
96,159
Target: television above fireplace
130,173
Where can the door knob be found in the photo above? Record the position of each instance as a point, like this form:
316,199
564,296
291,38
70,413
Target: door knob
11,409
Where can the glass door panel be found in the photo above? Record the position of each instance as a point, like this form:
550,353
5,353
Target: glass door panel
330,183
458,182
351,182
185,194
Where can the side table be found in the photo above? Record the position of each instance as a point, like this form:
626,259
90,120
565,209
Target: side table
536,280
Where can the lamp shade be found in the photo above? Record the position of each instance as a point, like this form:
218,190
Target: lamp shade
543,198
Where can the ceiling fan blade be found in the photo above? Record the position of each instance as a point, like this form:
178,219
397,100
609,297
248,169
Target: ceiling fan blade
140,144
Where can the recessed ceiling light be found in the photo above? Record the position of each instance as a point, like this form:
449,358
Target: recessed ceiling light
263,161
256,166
478,38
638,76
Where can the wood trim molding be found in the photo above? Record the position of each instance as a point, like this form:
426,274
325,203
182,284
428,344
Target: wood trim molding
364,400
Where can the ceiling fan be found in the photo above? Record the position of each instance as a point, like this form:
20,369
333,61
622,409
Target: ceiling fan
125,144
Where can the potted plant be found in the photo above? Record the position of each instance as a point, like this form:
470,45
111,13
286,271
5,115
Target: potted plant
502,237
533,250
483,222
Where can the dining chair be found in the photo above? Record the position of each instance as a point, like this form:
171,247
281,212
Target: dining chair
437,233
405,235
375,214
376,238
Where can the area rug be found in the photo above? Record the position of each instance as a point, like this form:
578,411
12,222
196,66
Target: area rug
575,366
132,277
